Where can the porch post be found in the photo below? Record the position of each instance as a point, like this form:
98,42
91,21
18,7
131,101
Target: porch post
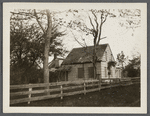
65,75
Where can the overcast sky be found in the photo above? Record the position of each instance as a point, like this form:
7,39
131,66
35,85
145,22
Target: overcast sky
119,38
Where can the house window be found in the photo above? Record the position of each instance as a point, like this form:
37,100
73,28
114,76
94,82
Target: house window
91,72
105,72
80,73
106,56
66,76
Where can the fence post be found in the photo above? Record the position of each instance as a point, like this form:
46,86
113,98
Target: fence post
131,81
49,90
47,87
30,90
61,91
84,88
99,82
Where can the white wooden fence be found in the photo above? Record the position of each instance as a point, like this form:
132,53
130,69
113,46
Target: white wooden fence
34,92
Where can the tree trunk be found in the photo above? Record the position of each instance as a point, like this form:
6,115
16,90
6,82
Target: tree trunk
46,49
94,60
83,71
94,65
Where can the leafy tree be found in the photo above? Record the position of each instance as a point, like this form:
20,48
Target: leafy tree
28,38
121,59
133,68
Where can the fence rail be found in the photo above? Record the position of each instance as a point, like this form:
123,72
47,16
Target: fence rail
43,91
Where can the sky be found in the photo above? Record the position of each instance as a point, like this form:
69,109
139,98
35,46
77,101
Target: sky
119,38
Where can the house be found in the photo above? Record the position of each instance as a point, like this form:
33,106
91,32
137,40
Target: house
118,72
80,61
58,72
55,63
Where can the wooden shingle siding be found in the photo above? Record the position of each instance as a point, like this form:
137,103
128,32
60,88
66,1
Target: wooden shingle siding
106,72
86,66
103,65
98,65
107,56
73,74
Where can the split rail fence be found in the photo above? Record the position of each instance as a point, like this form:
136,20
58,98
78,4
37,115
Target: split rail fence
41,91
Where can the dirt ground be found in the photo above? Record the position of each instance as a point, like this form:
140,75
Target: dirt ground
121,96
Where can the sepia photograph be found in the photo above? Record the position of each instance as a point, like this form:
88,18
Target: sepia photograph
75,58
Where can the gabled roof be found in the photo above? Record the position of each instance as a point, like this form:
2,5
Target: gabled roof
55,63
82,55
52,64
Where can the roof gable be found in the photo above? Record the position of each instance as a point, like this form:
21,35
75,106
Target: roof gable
82,55
113,59
109,54
56,63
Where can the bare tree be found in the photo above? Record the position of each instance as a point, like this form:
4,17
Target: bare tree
96,20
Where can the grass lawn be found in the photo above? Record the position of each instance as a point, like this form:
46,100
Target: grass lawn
121,96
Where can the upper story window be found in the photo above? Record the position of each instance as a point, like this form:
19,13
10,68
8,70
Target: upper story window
111,57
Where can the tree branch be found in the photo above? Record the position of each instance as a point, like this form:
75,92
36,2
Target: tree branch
77,39
22,13
105,18
35,14
97,25
103,38
95,20
84,41
91,22
100,29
